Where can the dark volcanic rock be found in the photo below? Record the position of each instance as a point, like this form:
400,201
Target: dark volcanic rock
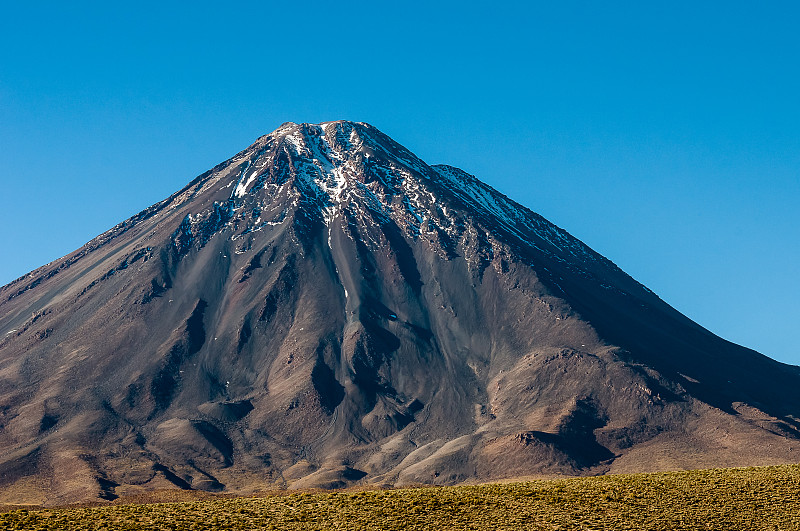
326,309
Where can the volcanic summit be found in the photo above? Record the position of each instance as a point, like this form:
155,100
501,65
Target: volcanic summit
325,309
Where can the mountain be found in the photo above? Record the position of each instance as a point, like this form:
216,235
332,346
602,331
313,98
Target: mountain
325,309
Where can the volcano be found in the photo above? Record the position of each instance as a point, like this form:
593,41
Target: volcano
325,309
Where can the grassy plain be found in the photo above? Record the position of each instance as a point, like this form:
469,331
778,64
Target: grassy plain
739,498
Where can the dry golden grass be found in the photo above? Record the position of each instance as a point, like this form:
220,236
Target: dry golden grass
737,499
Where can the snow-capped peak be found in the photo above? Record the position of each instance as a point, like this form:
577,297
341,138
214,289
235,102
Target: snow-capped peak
353,173
326,161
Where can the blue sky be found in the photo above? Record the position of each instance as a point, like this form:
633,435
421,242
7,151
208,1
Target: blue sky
664,136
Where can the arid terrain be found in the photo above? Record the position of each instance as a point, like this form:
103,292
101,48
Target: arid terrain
326,310
752,498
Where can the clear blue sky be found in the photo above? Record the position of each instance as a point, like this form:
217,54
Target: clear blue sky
667,136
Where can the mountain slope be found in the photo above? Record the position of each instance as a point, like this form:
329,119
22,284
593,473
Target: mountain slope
325,308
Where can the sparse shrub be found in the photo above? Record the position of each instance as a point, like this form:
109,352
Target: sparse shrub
752,498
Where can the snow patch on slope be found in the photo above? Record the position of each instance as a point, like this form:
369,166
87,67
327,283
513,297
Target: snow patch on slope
513,217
